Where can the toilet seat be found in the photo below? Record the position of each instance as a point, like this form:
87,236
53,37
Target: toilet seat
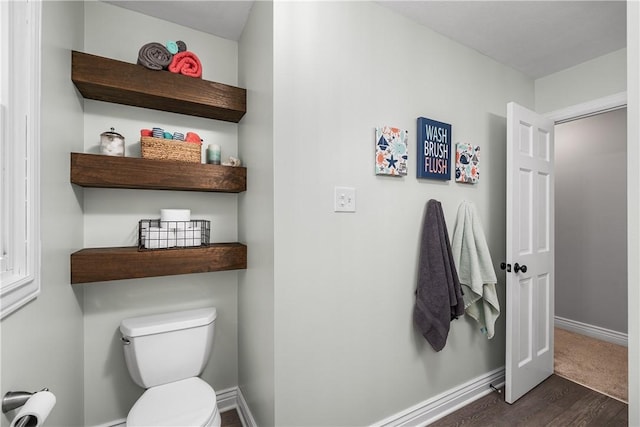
189,402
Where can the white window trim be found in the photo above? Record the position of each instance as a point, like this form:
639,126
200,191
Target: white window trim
20,154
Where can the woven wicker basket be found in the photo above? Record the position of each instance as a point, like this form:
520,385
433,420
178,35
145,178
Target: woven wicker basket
169,149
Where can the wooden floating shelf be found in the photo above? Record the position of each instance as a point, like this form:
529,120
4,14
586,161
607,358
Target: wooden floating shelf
119,82
96,170
109,80
102,264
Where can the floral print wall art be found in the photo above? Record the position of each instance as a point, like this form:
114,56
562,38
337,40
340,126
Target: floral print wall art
467,163
391,151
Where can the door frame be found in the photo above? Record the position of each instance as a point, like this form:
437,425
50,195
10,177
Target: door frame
590,108
598,106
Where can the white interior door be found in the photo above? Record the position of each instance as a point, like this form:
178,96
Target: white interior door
530,250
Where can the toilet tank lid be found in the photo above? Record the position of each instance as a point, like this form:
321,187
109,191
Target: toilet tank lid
166,322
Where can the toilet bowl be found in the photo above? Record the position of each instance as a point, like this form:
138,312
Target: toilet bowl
165,353
181,403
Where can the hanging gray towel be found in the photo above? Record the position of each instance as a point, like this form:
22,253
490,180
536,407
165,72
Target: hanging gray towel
475,269
438,294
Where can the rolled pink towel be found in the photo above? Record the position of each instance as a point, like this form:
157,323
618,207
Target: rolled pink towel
186,63
193,137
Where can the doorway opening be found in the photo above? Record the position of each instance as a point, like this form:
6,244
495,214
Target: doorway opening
591,251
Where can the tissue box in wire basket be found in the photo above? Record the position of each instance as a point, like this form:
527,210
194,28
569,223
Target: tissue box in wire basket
156,234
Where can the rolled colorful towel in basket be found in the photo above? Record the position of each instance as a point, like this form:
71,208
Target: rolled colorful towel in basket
182,46
154,56
186,63
193,137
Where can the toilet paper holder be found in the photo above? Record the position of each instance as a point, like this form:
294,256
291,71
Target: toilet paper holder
15,399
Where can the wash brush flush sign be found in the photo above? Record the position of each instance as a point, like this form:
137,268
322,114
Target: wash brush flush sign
434,149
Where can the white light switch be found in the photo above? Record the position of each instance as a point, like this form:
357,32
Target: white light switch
344,199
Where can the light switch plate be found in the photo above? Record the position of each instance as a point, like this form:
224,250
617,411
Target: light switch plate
344,199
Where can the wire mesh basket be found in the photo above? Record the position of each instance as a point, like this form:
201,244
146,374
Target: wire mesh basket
156,234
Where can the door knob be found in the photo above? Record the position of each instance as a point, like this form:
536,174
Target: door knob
505,266
517,267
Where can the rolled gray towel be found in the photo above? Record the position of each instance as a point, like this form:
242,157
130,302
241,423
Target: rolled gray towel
154,56
182,46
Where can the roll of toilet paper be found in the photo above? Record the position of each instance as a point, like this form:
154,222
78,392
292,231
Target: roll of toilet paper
38,407
191,236
174,218
157,238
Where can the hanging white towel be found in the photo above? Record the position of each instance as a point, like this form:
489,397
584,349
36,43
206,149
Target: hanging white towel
475,268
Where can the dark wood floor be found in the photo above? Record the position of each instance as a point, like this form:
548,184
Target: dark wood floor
555,402
230,418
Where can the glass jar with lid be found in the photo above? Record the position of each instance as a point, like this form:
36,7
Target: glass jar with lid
111,143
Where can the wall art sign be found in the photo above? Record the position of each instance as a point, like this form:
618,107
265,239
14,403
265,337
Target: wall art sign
434,149
391,151
467,163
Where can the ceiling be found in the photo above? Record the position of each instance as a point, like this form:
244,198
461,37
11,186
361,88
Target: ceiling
536,37
224,19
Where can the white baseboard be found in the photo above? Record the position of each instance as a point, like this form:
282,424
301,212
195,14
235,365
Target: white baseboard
592,331
433,409
116,423
232,398
243,410
227,399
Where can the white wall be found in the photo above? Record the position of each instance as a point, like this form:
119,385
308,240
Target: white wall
633,207
591,220
346,351
111,216
42,342
594,79
256,217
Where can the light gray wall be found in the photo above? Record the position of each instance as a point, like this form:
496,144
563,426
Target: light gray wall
42,342
256,217
346,351
597,78
591,220
633,201
344,348
111,216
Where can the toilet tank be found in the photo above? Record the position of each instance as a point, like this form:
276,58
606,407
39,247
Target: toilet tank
167,347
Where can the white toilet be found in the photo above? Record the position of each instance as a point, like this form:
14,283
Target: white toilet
165,353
